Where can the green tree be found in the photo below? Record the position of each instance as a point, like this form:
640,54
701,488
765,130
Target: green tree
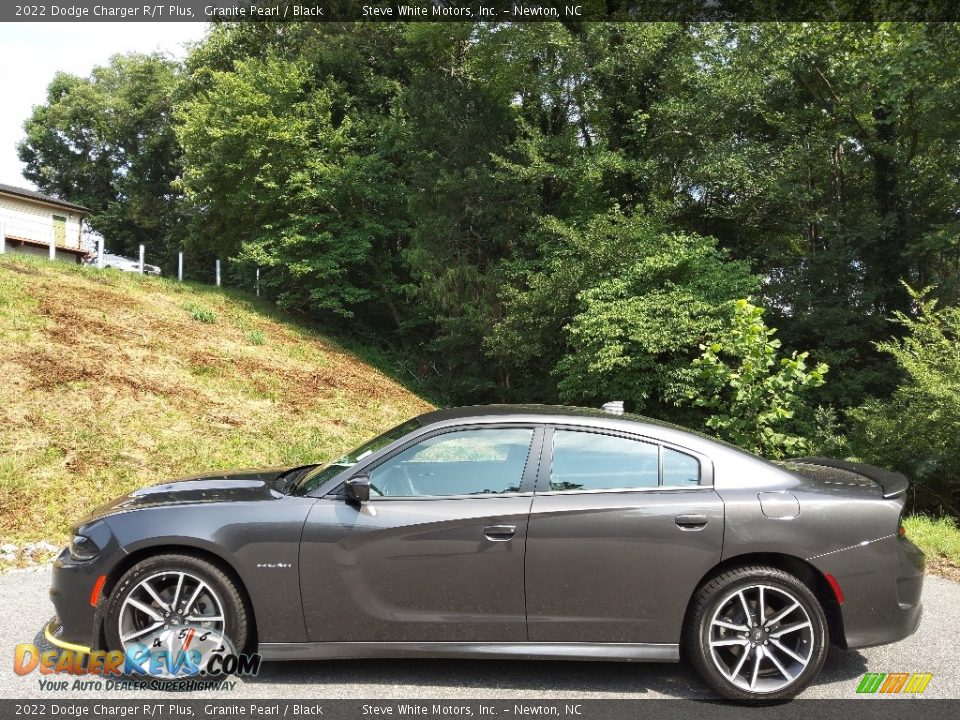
615,309
287,164
754,396
823,153
107,142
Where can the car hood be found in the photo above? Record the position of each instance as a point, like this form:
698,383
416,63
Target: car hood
244,486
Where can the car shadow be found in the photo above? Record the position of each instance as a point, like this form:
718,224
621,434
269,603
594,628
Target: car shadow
391,677
578,678
842,665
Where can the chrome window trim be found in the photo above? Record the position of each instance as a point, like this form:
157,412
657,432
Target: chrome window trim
543,478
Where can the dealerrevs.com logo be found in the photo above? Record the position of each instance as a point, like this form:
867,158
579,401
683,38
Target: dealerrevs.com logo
894,683
174,656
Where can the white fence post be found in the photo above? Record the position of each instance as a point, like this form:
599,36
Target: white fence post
218,272
100,260
258,282
3,236
180,266
53,244
141,259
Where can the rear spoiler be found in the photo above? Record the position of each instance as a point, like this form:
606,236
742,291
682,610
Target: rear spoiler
894,484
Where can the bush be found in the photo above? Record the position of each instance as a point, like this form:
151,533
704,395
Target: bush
917,430
754,397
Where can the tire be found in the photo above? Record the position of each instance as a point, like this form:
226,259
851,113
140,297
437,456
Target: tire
220,597
791,644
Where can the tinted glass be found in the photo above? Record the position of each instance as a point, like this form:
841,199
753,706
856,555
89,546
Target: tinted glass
316,478
588,461
465,462
680,469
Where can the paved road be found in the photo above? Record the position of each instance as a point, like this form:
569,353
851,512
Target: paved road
934,648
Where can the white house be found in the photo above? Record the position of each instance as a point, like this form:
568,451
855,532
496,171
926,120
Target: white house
30,221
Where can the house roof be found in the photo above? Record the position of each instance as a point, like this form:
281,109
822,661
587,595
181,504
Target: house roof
40,197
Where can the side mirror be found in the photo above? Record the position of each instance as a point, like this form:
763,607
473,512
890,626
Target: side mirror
358,488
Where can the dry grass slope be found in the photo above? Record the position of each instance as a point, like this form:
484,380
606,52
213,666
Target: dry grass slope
111,381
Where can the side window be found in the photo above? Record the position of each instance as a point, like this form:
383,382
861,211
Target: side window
589,461
463,462
680,469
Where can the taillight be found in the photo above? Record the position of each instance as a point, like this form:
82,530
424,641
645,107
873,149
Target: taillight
901,530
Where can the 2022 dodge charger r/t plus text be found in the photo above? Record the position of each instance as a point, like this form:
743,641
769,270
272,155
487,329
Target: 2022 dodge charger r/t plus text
512,532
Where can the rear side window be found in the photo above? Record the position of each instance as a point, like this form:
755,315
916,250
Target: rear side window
680,469
588,461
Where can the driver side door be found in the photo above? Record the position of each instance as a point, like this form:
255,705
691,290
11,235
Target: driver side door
437,553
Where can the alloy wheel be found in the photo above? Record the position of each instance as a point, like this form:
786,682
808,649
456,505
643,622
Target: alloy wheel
761,638
159,607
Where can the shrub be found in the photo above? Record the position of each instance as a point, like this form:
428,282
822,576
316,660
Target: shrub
917,429
754,396
201,314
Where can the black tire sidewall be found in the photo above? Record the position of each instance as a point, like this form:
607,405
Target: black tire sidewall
234,612
715,592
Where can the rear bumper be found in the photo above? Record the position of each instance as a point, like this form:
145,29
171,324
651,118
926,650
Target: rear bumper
882,583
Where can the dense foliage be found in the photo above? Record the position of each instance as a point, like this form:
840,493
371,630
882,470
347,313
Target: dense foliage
918,427
755,396
554,212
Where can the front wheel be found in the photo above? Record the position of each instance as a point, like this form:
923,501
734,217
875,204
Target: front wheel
175,604
757,634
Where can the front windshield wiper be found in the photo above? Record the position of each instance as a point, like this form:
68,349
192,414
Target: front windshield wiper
288,480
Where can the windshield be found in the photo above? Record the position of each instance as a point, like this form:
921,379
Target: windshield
314,479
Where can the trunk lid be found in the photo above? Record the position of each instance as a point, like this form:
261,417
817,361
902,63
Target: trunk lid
833,472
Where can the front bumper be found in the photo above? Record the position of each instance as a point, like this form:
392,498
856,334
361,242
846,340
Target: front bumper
76,619
79,610
882,583
53,632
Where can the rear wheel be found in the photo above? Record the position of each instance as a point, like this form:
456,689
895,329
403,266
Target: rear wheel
757,634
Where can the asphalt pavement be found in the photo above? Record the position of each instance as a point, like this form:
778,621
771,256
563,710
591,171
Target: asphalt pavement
934,648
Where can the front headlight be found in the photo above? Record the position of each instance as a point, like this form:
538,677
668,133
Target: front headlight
83,548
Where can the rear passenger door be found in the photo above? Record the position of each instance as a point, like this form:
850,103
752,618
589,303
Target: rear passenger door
621,530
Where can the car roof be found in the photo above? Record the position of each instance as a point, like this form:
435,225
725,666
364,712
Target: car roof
747,464
483,411
590,417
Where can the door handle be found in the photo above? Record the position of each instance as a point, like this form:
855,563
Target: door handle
691,522
500,533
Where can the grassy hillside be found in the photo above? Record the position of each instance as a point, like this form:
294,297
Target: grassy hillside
110,381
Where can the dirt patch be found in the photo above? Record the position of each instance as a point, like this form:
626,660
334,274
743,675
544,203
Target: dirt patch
22,269
943,568
71,325
302,387
49,370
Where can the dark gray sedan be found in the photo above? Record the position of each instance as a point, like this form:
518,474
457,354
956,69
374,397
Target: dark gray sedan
511,532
